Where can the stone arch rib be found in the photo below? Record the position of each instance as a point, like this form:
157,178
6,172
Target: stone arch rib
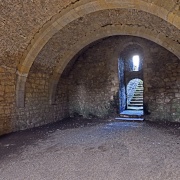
70,14
109,31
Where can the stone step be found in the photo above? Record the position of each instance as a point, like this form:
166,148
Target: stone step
129,119
135,105
135,98
134,108
130,105
130,115
136,93
138,97
136,102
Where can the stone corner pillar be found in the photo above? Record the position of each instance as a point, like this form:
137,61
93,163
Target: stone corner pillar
20,89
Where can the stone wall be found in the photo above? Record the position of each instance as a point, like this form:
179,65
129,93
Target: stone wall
91,90
7,96
94,82
162,84
27,43
37,110
91,87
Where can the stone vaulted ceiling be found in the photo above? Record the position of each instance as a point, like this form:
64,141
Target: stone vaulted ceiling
49,33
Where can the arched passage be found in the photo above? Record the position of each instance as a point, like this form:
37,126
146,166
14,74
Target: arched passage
110,31
61,20
129,76
91,89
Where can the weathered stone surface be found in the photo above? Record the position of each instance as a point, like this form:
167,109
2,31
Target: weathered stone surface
162,94
93,81
22,21
65,41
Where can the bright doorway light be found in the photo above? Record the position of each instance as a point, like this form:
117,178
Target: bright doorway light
135,63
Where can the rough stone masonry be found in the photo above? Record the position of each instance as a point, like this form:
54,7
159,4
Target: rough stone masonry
39,39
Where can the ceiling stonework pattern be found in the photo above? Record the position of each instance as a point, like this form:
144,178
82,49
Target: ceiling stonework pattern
63,42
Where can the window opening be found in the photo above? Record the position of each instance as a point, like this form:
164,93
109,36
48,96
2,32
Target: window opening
136,63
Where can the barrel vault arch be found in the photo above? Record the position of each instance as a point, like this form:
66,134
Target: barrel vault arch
111,31
78,10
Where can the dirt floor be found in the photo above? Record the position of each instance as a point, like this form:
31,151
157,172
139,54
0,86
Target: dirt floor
79,149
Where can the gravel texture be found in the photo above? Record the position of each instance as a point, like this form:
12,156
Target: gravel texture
86,150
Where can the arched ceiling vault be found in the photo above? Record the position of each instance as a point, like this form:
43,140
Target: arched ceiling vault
58,24
105,32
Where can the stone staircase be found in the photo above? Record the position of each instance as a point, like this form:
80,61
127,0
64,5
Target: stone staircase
134,111
136,102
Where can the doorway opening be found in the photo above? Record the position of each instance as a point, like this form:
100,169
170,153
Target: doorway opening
134,92
131,91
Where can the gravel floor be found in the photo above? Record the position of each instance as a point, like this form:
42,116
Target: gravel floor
87,150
